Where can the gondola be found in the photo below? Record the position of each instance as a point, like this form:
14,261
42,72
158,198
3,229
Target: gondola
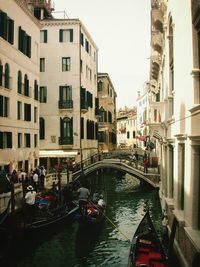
45,216
5,213
146,249
93,213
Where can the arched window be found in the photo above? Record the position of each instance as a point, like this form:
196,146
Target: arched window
42,129
1,73
26,85
7,82
19,82
100,86
66,131
36,93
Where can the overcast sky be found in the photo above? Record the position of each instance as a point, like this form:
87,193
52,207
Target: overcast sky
121,31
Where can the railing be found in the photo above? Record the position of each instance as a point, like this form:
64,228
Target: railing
65,104
66,140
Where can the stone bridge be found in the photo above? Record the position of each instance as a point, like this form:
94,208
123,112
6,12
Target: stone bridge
152,177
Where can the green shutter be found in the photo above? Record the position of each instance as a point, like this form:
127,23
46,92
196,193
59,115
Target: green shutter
71,35
82,128
1,75
9,139
61,36
71,129
1,105
3,25
60,93
20,38
28,46
10,31
1,140
45,36
61,127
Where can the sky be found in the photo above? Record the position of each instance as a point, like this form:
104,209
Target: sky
121,31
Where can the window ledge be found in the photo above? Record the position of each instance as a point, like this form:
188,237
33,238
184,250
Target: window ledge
170,202
194,236
195,108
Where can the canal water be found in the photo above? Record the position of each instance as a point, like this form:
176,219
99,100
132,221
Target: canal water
109,246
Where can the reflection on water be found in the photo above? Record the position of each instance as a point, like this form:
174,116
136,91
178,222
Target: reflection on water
109,246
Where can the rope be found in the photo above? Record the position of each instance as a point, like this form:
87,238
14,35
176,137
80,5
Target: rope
110,221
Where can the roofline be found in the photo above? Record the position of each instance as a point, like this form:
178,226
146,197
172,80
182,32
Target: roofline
68,21
105,74
23,5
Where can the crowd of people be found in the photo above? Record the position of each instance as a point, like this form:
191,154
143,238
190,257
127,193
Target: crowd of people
34,178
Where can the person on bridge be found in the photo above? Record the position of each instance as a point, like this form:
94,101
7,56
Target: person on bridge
145,162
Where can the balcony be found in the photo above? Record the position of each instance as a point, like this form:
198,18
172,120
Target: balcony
65,104
66,141
157,41
84,107
157,19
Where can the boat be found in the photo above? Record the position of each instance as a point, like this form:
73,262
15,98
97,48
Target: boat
146,249
94,212
47,214
4,214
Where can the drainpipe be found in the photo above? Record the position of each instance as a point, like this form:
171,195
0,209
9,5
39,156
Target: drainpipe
81,152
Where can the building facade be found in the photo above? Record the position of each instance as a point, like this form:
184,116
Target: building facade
174,96
107,127
19,82
68,92
127,128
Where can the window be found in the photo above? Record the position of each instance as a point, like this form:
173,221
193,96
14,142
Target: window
7,78
89,99
26,85
43,36
82,39
65,97
42,64
100,86
4,101
35,140
133,134
128,135
84,104
66,64
43,94
19,110
66,35
27,140
90,129
19,82
102,137
27,112
36,93
5,140
35,114
6,27
19,140
1,74
24,43
82,128
66,131
81,66
86,45
42,129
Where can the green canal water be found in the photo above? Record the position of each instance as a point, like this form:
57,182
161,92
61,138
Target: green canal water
69,246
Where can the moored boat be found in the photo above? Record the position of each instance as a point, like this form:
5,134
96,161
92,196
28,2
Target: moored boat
146,249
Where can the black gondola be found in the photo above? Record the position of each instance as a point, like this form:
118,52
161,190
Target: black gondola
146,249
93,213
5,213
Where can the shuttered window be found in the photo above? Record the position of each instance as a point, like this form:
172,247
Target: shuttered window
26,85
43,94
43,36
27,112
42,129
6,27
24,42
19,82
4,101
82,128
5,140
66,35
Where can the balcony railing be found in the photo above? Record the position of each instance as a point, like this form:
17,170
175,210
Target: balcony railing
66,140
65,104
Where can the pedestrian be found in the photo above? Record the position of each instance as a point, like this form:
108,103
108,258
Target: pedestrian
30,204
36,181
42,177
145,162
83,194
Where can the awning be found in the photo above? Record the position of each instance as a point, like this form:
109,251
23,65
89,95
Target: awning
4,162
57,154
